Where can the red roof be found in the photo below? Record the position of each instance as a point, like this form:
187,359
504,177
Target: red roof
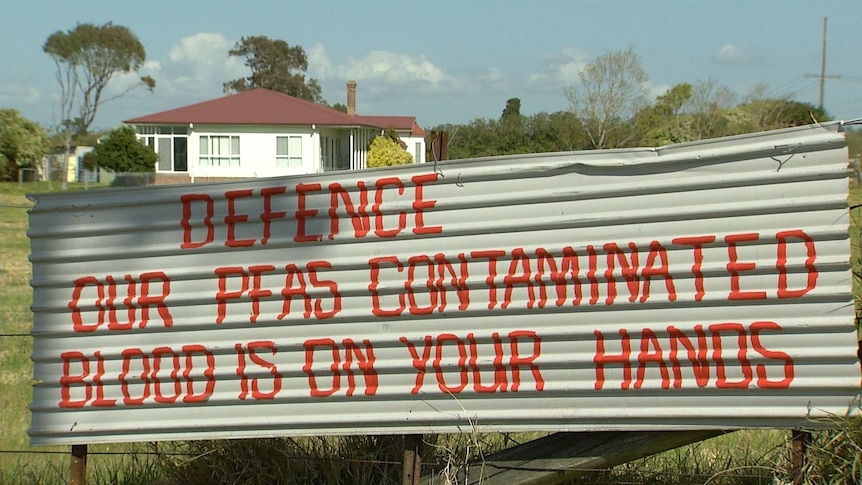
264,107
400,123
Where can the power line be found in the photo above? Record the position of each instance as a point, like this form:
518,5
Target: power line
804,89
785,88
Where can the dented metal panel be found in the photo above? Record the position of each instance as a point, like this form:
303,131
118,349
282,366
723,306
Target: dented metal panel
703,285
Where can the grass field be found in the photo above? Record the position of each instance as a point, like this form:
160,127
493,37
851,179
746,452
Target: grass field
749,452
16,368
15,321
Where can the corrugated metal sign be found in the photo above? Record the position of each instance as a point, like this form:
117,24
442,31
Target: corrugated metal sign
703,285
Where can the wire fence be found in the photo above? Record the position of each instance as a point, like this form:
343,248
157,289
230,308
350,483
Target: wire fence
84,178
187,454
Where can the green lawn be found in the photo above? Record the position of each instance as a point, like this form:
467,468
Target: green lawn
15,318
16,368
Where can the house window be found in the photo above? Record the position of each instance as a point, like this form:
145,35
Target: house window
288,151
169,142
219,151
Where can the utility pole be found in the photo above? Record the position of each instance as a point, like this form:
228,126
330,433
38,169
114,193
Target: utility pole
823,77
823,63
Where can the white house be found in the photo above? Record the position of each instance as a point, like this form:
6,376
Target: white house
263,133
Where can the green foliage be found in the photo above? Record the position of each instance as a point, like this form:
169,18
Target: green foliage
87,57
677,129
707,110
554,132
515,134
100,48
686,112
512,111
835,455
22,142
774,113
121,151
386,152
657,124
854,143
274,65
392,134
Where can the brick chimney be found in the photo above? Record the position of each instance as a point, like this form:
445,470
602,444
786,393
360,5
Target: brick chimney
351,97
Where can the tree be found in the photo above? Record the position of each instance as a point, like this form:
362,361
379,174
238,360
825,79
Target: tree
121,151
385,152
392,134
512,111
22,142
651,122
339,107
708,108
763,112
687,112
86,59
541,132
555,132
611,92
274,65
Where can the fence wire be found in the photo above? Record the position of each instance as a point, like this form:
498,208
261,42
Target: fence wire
734,472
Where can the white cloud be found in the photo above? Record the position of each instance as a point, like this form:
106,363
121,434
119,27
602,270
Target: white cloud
735,55
493,81
318,61
200,63
656,90
382,72
34,103
123,82
559,70
18,95
195,68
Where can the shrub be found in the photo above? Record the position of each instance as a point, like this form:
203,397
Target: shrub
121,151
385,152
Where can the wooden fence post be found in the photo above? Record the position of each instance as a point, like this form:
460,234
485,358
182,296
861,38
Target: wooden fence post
78,466
412,463
799,442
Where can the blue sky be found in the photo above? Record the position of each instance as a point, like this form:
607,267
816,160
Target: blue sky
446,61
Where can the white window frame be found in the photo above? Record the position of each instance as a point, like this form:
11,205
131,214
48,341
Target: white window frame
211,148
151,135
288,159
